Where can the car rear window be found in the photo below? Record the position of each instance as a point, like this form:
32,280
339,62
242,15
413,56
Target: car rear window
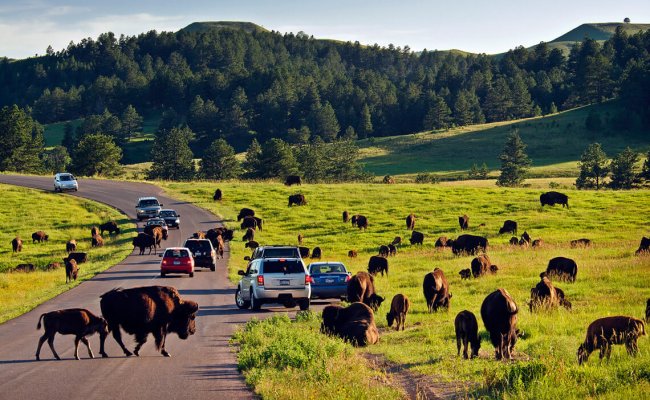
167,214
327,269
178,253
281,253
196,245
283,267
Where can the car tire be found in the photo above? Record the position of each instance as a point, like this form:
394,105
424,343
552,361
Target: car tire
240,302
162,274
255,303
191,274
213,267
304,304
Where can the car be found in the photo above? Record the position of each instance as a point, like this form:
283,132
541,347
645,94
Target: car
147,207
275,251
172,219
161,223
329,280
274,280
65,181
204,254
177,260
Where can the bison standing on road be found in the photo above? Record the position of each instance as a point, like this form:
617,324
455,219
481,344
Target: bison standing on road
417,237
469,244
644,246
40,237
361,287
245,212
355,323
608,331
377,264
297,199
509,226
304,251
110,226
17,245
143,241
467,332
553,198
293,180
463,221
410,222
399,307
563,268
75,321
499,314
436,290
158,310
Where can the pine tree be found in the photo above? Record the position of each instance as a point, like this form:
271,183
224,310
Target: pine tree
645,170
252,164
349,134
131,121
552,108
277,159
171,155
514,161
593,167
365,123
325,123
521,105
22,141
438,116
97,154
219,161
622,167
463,114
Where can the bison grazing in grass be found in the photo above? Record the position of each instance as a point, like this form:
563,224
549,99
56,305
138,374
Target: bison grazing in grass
608,331
563,268
509,226
252,245
584,242
98,241
392,250
70,246
293,180
40,237
481,265
553,198
399,307
346,217
74,321
110,226
410,222
383,251
352,254
499,314
417,237
443,242
78,257
465,273
397,241
463,221
217,195
545,295
538,243
17,245
71,269
361,287
316,253
436,290
158,310
467,333
376,265
245,212
514,241
297,199
644,246
25,268
362,222
355,323
469,244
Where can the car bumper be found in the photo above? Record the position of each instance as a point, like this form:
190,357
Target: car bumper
204,262
280,295
180,269
172,224
328,292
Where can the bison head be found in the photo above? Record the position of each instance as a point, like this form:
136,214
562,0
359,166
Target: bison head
583,354
374,301
330,317
182,321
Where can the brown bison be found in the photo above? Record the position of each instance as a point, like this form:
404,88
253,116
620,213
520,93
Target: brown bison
465,273
297,199
346,217
584,242
252,245
304,251
217,195
509,226
143,241
361,287
220,246
499,314
25,268
553,198
245,212
383,251
94,231
417,238
514,241
480,265
353,219
388,179
355,323
248,222
158,310
538,243
376,265
98,241
78,257
603,333
248,236
392,250
469,244
399,307
436,290
259,222
110,226
644,247
74,321
362,222
71,269
467,333
463,221
410,222
293,180
70,246
442,241
316,253
397,241
493,269
352,253
300,238
545,295
17,245
525,239
40,237
563,268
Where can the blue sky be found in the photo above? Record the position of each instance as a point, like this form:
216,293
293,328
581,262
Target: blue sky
27,27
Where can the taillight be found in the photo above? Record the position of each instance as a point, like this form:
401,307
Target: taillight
308,279
164,262
347,278
260,280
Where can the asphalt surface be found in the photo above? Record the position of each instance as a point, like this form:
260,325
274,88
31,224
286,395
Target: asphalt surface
201,367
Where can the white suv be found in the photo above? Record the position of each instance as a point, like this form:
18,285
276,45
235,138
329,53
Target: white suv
65,181
274,280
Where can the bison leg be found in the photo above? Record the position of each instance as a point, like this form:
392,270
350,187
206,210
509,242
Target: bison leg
40,343
50,341
432,303
141,339
160,336
458,341
117,335
90,351
77,339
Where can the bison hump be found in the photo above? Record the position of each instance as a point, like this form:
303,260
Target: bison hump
510,303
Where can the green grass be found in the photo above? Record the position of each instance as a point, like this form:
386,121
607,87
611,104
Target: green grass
611,280
63,218
555,144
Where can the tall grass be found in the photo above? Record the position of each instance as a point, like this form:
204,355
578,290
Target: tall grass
63,218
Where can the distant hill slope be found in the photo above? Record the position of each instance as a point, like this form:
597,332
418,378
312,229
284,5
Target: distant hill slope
208,25
596,31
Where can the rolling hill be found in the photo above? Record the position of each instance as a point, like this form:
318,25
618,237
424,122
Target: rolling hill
596,31
209,25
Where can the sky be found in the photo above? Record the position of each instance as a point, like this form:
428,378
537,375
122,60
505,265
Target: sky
27,27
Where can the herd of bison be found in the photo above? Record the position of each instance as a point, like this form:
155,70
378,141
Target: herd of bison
159,310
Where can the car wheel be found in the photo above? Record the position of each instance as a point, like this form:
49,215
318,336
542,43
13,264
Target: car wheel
304,304
191,274
162,274
239,300
213,267
255,304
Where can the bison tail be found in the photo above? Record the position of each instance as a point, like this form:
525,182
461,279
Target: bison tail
38,326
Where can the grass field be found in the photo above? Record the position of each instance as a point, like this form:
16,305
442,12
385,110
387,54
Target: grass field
611,280
63,218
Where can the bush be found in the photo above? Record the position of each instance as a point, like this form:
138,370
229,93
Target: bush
427,178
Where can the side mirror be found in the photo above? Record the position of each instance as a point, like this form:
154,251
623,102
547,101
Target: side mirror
160,255
161,204
247,258
240,272
178,215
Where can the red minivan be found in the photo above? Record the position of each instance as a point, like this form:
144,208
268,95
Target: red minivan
177,260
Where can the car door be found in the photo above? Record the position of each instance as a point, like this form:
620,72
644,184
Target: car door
247,280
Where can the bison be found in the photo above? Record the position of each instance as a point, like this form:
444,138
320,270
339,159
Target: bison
217,195
98,241
74,321
543,294
40,237
467,332
25,268
465,273
644,246
361,287
397,241
300,238
53,265
220,246
71,269
355,323
377,264
399,307
362,222
514,241
17,245
198,235
383,251
293,180
245,212
143,241
553,198
78,257
608,331
525,239
410,222
417,238
436,290
110,226
248,236
499,314
463,221
583,242
304,252
352,253
538,243
316,253
392,250
346,217
252,245
70,246
481,265
158,310
469,244
563,268
248,222
442,241
509,226
259,222
94,231
297,199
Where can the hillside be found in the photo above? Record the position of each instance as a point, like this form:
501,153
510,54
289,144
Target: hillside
209,25
596,31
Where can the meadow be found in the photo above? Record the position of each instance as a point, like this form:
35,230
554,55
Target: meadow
63,218
611,279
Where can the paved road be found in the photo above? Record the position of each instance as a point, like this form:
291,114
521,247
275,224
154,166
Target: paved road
201,367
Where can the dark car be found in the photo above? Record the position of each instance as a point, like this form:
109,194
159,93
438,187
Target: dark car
172,219
329,280
161,223
204,254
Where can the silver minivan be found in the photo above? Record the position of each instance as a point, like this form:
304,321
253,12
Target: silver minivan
65,181
274,280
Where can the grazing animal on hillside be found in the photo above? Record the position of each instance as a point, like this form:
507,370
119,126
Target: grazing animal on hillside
389,180
362,222
252,245
70,246
217,195
249,235
316,253
392,250
469,244
78,257
465,273
300,238
410,222
499,314
74,321
377,265
538,243
110,226
94,231
481,265
248,222
383,251
553,198
297,199
644,246
514,241
397,241
17,245
584,242
304,252
98,241
443,242
352,253
71,269
399,307
361,287
603,333
158,310
346,217
509,226
525,237
467,333
40,237
245,212
463,221
293,180
355,323
545,295
143,241
416,238
436,290
25,268
563,268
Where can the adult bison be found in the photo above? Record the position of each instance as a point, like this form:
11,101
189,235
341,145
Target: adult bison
110,226
416,237
40,237
469,244
481,265
74,321
304,251
316,253
563,268
293,180
218,195
297,199
383,251
410,222
361,287
71,269
17,245
79,257
463,221
362,222
553,198
245,212
355,323
249,222
608,331
98,241
436,290
545,295
499,313
248,236
158,310
376,265
143,241
509,226
644,246
443,241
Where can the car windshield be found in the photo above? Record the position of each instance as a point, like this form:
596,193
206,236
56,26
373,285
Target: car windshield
278,253
327,269
158,222
198,245
148,203
65,178
283,267
176,253
168,213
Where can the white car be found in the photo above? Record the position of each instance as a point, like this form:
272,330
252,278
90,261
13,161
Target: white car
65,181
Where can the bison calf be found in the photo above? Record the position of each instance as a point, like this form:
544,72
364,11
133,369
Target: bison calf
75,321
97,241
608,331
40,237
352,253
71,269
70,246
467,333
398,309
17,245
465,273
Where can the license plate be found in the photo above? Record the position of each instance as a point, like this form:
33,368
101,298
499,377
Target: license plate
198,253
285,282
177,263
329,280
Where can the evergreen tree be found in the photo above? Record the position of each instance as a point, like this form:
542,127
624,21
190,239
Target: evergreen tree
553,108
463,114
521,105
349,134
171,155
593,167
514,161
131,121
365,123
498,101
56,159
68,137
298,136
645,170
96,154
438,116
326,124
219,161
252,163
22,141
277,160
622,167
